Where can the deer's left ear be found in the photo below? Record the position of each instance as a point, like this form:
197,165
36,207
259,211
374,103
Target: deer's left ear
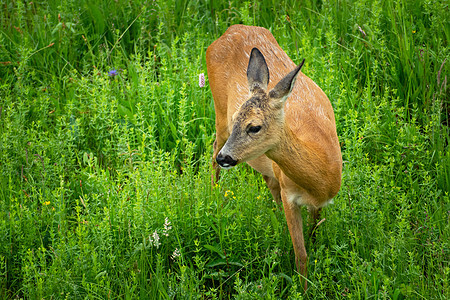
257,71
284,87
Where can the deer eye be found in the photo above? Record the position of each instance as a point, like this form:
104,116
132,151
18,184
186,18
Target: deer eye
254,129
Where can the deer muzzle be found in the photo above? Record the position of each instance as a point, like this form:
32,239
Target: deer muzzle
225,161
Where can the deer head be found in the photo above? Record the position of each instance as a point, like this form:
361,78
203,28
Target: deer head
258,124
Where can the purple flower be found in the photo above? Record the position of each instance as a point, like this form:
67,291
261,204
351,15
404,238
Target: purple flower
112,73
362,31
201,80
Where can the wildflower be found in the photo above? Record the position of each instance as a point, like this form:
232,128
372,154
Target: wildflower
167,227
201,80
112,73
176,254
362,31
228,193
154,239
413,31
46,202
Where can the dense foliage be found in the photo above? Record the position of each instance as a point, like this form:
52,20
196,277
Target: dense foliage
106,136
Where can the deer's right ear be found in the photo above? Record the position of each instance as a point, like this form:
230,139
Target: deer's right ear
257,71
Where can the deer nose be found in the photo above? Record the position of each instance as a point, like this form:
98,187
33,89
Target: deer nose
225,161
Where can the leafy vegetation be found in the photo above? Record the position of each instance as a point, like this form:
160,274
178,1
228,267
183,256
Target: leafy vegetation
106,141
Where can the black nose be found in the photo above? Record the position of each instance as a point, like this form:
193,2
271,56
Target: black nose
225,161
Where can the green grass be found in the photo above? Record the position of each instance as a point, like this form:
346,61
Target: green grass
94,167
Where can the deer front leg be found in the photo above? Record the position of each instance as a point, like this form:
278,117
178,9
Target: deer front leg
274,187
215,165
313,221
295,225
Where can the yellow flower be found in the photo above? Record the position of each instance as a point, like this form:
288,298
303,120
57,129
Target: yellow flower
413,31
46,202
228,192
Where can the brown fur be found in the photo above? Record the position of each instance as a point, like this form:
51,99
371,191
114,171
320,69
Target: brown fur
297,149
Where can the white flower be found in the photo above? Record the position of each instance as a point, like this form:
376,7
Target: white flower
154,239
201,80
176,254
167,227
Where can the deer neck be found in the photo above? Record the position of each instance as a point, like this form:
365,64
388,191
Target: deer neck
296,158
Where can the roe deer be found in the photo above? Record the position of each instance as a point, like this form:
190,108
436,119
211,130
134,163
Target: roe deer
283,127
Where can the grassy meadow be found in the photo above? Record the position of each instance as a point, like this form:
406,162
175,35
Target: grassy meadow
106,142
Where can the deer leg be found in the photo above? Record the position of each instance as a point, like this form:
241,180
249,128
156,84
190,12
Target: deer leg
314,216
215,165
295,225
274,187
217,145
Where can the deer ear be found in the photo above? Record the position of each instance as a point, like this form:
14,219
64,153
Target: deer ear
284,88
257,71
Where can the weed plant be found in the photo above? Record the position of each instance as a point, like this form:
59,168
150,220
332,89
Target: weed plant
105,145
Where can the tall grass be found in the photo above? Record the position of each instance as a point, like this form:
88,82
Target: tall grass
106,140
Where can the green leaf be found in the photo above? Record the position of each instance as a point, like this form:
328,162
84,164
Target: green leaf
215,249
